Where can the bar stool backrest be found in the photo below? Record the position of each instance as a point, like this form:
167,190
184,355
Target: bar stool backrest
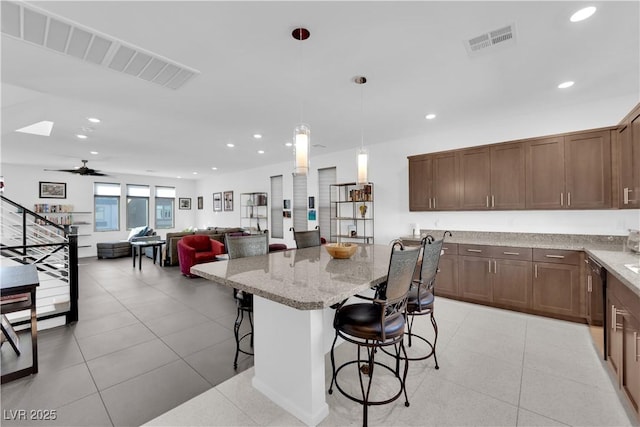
307,239
431,250
245,246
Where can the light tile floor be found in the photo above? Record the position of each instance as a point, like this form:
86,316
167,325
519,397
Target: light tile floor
155,347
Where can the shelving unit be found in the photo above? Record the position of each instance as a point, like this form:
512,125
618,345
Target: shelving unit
254,212
64,215
352,213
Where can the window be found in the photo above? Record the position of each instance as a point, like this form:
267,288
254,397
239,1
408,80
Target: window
300,202
277,223
106,210
165,203
137,206
326,177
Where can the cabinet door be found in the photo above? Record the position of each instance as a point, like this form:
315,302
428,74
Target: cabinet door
614,340
420,172
512,283
474,278
445,181
545,173
631,359
588,170
475,178
595,303
508,176
447,278
556,288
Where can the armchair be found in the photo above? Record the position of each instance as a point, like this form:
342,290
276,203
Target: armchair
197,249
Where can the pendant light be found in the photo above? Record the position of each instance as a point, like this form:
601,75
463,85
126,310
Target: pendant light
363,154
302,133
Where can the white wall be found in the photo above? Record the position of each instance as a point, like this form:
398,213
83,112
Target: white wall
22,186
388,171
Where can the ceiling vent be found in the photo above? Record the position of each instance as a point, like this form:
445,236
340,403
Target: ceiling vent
41,28
487,42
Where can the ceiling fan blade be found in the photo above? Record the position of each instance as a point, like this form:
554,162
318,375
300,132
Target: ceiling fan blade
62,170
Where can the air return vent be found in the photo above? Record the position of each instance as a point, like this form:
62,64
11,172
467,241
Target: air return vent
487,42
37,26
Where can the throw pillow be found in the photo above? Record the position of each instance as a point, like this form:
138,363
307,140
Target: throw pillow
137,232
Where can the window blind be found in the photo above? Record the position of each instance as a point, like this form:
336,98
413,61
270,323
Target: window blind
326,177
300,202
277,202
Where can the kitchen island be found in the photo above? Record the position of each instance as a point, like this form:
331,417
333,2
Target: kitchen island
293,292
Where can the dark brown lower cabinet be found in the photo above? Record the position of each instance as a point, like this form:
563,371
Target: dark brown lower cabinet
623,346
512,283
556,288
447,278
475,278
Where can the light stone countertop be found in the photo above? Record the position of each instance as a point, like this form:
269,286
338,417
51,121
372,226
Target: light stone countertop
306,279
608,250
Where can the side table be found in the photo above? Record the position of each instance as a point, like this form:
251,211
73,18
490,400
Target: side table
14,281
136,247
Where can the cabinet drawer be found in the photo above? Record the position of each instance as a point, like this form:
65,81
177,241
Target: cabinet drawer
450,248
475,250
507,252
557,256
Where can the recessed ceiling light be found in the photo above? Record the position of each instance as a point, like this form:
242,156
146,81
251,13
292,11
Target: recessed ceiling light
195,173
565,85
430,116
583,14
257,136
93,119
94,153
179,177
288,144
230,145
42,128
260,151
214,168
81,136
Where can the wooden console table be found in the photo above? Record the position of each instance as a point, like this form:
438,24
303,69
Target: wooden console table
14,281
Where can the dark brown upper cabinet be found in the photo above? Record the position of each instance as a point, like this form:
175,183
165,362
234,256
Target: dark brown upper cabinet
628,188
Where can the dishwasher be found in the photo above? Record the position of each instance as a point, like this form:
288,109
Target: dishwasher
597,288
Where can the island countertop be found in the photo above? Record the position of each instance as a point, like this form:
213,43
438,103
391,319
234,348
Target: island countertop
305,279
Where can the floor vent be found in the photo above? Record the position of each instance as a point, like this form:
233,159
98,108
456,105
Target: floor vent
41,28
502,36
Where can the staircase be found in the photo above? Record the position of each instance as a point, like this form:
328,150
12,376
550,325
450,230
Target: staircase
28,238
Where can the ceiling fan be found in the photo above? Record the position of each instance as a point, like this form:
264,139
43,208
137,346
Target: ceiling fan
82,170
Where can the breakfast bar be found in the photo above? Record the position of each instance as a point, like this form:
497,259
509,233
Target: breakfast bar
293,292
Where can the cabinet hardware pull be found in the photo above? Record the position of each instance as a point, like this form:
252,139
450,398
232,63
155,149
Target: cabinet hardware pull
635,338
474,250
613,317
568,198
489,266
495,267
493,201
429,202
626,195
434,203
555,256
445,248
511,253
535,271
487,201
589,284
561,199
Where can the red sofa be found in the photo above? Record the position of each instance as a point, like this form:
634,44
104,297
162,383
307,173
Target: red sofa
196,249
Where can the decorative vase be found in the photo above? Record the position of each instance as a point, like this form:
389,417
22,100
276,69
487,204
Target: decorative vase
363,210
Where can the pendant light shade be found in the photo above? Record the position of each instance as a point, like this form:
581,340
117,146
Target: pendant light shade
302,140
363,166
363,154
302,133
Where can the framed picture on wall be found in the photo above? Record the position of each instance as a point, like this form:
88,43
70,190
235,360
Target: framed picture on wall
200,202
228,200
184,203
53,190
217,202
312,202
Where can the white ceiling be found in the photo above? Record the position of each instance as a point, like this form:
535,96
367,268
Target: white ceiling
250,81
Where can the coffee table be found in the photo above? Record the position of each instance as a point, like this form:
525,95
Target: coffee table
136,247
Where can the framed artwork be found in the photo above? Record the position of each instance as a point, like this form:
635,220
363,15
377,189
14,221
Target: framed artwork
200,202
287,204
217,202
53,190
228,200
184,203
312,202
312,215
